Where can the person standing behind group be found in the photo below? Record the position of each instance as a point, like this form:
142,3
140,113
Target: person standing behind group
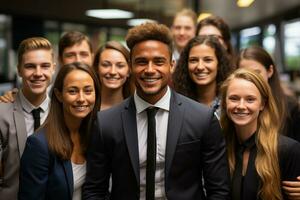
19,120
201,69
259,157
158,146
258,59
217,27
74,46
53,163
183,29
112,64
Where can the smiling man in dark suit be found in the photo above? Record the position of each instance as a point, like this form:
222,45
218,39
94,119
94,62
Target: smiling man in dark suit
157,144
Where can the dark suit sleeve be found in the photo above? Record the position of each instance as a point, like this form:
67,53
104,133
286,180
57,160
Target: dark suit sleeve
34,170
98,168
215,164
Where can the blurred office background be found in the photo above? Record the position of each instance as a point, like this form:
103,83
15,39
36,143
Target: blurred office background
273,24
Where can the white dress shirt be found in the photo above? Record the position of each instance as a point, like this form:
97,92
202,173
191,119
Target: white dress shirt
27,107
161,119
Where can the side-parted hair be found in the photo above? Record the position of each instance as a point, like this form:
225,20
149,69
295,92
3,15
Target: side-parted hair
266,161
187,12
182,81
57,133
222,26
34,43
149,31
260,55
70,39
114,45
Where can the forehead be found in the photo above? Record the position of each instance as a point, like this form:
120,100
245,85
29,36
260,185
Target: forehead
78,77
111,54
37,56
202,49
150,48
82,46
183,20
209,30
242,87
251,64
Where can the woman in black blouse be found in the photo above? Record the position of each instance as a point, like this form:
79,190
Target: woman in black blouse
259,157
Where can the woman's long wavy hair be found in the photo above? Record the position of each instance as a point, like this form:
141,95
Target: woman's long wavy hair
57,133
260,55
181,78
266,162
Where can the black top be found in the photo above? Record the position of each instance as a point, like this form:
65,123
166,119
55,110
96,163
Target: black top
289,154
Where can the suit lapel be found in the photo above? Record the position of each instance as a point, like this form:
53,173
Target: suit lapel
174,128
130,131
20,125
68,175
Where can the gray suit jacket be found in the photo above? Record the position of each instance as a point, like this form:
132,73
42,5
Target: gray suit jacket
13,132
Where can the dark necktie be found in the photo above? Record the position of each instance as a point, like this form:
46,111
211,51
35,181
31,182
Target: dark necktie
237,177
151,154
36,117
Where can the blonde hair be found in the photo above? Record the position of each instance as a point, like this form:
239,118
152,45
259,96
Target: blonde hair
266,161
33,43
188,13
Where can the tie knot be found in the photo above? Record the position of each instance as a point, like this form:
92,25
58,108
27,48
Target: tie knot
36,112
151,112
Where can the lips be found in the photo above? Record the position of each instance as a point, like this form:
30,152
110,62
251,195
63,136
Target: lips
81,108
37,82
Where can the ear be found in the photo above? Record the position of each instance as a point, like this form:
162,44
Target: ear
58,95
173,64
270,71
262,106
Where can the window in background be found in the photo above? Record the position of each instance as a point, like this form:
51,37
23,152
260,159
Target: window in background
250,36
292,45
6,72
269,41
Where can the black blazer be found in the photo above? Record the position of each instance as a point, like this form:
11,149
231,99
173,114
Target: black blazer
194,146
43,175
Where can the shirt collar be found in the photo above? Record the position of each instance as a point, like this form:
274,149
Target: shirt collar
28,107
163,103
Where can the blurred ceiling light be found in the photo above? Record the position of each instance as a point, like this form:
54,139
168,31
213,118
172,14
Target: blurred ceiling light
136,22
203,16
109,14
244,3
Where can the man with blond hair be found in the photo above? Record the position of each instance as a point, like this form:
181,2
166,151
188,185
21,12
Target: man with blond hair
21,118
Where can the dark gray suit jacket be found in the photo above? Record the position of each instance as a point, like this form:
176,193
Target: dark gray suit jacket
195,145
13,131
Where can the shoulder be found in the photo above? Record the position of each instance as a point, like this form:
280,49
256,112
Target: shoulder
288,146
38,140
190,104
115,110
6,108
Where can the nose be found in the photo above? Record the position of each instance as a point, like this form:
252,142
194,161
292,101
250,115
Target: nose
81,96
241,104
78,58
150,68
38,71
200,65
113,70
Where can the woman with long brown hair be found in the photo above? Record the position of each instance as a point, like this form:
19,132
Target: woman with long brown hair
259,157
53,164
112,64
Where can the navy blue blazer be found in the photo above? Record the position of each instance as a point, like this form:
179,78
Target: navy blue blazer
195,147
42,174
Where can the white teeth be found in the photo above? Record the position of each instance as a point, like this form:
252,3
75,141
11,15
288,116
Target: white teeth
150,79
80,108
201,74
112,78
241,114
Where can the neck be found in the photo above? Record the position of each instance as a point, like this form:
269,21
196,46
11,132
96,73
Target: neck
243,133
34,99
72,124
110,98
206,94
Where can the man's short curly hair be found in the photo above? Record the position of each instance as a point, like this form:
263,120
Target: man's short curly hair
149,31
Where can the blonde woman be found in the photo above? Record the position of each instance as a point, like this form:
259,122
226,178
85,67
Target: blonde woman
259,157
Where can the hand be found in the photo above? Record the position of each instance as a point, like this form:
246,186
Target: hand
9,96
292,189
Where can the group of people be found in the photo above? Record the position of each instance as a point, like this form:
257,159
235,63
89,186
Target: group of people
176,116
